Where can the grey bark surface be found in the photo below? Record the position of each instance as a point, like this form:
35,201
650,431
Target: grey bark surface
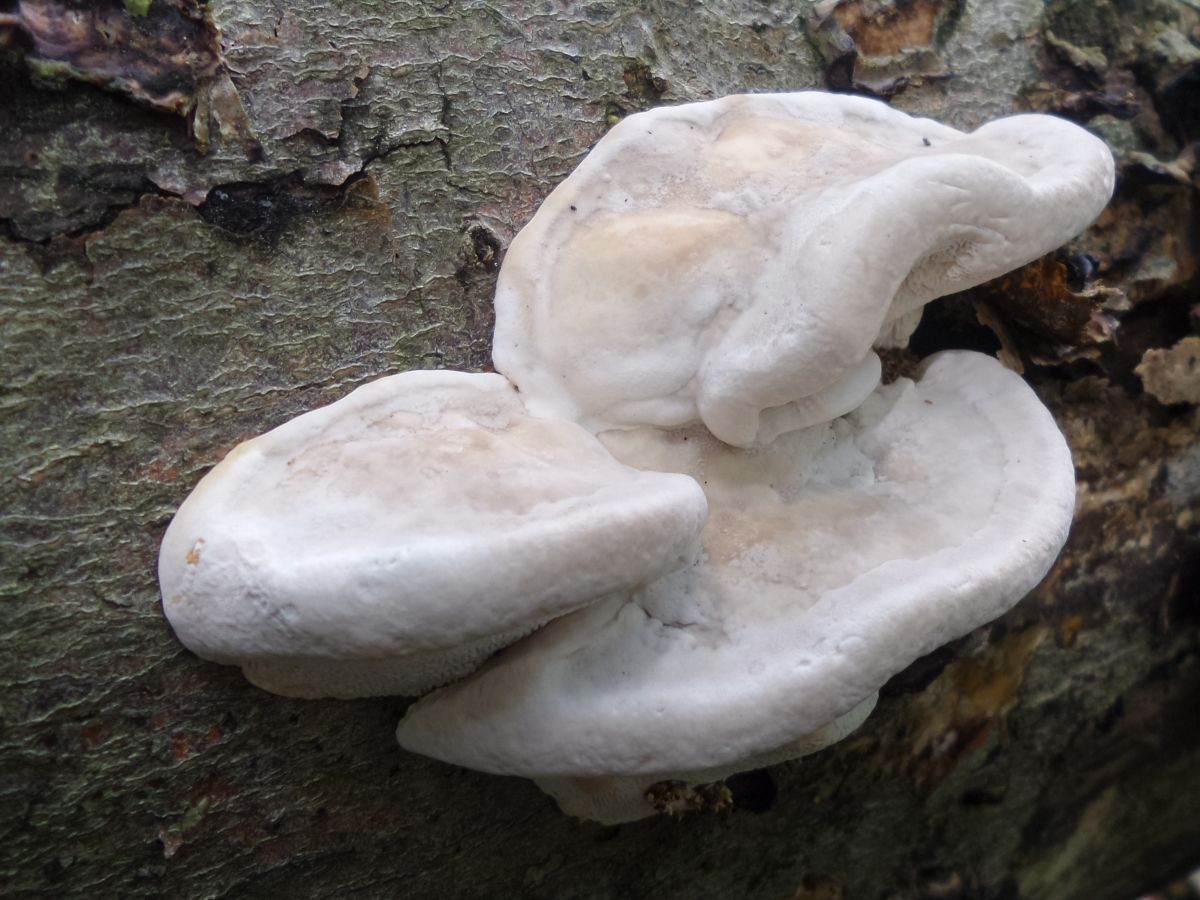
365,165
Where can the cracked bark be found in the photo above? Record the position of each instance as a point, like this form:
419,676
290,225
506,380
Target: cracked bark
160,304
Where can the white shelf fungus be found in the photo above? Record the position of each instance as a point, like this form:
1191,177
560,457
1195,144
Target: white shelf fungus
704,292
832,558
391,541
712,261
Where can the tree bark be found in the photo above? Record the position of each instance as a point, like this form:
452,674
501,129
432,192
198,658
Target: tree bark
215,218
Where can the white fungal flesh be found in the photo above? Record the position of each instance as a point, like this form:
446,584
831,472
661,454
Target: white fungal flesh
832,558
761,535
841,397
708,261
393,539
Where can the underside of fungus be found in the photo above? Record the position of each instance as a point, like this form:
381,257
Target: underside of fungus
613,799
711,532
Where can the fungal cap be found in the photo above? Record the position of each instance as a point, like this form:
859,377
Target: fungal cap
833,558
712,261
394,539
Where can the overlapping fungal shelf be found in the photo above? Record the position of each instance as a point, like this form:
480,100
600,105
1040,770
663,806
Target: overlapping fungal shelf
687,467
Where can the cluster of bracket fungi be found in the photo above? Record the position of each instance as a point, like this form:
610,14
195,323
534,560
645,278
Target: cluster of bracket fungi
703,529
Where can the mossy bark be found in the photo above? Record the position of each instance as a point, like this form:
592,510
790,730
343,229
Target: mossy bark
364,166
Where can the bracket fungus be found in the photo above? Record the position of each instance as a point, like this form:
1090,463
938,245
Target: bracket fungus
715,262
832,558
723,532
391,541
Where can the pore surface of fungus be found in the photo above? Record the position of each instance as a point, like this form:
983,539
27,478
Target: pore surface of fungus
390,541
832,558
735,260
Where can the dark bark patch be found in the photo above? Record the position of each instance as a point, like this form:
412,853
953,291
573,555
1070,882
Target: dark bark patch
923,672
157,58
942,884
752,791
677,797
642,84
965,708
1180,101
265,209
1040,298
485,246
949,323
1079,83
818,887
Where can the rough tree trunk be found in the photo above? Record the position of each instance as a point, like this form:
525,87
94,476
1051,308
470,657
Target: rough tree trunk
215,218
